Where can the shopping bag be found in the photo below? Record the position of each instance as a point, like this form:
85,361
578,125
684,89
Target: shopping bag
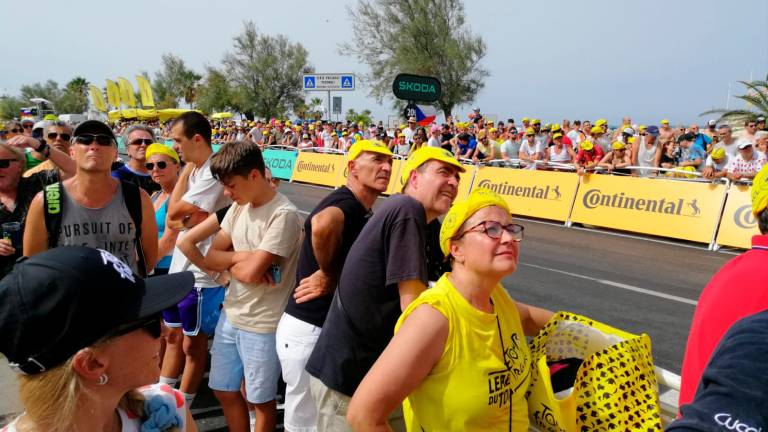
615,387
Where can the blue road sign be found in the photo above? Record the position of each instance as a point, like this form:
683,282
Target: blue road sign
309,82
347,82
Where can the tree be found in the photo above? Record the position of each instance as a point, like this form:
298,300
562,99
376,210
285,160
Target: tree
423,37
173,82
10,107
316,108
214,93
756,97
74,98
362,117
265,72
48,90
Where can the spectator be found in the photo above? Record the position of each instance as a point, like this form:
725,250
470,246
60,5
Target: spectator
306,142
33,158
761,124
617,160
137,137
263,231
122,212
410,131
718,308
746,164
58,135
289,138
164,166
13,128
575,134
330,229
400,146
761,139
385,270
446,137
446,343
530,149
645,152
434,136
715,166
484,151
700,140
465,146
84,334
750,128
27,125
665,131
588,157
196,195
419,138
559,152
599,137
669,157
711,131
691,154
510,149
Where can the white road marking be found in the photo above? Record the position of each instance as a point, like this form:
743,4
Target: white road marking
618,285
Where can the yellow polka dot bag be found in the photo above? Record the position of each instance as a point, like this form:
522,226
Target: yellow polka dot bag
615,385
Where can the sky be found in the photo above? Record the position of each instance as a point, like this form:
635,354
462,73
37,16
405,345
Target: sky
550,59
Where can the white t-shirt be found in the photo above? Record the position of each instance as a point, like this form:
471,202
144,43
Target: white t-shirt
732,150
717,166
206,193
510,149
167,405
530,150
433,142
575,138
274,227
327,139
409,133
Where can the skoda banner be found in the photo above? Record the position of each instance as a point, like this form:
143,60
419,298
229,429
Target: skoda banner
737,225
319,168
540,194
668,208
280,162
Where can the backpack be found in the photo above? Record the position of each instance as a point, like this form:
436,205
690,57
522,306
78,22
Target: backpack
53,207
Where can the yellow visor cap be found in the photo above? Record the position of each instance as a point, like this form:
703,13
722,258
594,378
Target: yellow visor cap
463,210
423,154
157,148
367,146
759,191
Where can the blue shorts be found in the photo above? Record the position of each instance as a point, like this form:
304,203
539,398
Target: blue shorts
197,311
238,354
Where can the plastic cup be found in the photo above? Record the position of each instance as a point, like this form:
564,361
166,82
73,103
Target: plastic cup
12,232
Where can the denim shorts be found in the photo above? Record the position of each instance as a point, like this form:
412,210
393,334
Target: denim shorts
197,311
239,354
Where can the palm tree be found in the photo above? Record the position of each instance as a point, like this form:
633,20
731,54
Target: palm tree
78,85
314,103
756,98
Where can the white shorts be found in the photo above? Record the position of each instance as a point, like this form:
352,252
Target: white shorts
295,341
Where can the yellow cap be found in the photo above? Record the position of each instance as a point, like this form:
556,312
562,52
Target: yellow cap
288,123
596,130
665,121
641,127
557,135
491,130
311,127
601,122
759,191
157,148
536,121
367,146
617,145
689,169
489,122
344,133
423,154
718,153
586,145
530,131
402,126
526,119
463,210
358,136
213,131
555,127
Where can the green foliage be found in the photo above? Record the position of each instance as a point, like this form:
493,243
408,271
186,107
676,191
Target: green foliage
362,117
214,93
314,110
757,103
174,82
265,72
73,98
423,37
10,106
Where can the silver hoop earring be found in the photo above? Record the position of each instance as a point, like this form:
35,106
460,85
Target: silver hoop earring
103,379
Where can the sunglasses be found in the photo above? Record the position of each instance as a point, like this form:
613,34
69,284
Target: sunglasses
15,130
160,165
141,141
54,135
5,163
87,139
495,230
28,126
152,326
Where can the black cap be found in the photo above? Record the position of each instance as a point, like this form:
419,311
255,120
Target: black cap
686,137
94,127
65,299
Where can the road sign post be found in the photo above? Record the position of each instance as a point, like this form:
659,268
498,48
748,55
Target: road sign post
328,82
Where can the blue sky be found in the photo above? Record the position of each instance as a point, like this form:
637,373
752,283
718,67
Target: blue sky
551,59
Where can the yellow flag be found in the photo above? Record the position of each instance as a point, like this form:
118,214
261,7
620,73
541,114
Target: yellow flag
126,92
113,94
97,98
145,90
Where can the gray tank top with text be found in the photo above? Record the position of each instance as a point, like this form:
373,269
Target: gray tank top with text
110,227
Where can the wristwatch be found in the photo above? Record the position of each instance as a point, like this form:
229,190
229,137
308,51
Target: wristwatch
43,148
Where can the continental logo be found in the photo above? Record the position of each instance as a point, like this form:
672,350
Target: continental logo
536,192
743,218
594,198
315,167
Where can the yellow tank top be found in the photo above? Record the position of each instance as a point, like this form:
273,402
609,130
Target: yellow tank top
473,387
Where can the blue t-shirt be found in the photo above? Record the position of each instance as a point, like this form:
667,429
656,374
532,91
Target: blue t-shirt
702,141
160,214
696,152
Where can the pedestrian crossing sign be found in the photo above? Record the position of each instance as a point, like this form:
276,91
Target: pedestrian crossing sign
309,82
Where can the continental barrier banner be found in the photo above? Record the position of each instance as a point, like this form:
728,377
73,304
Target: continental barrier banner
280,162
394,182
668,208
540,194
465,181
318,168
737,225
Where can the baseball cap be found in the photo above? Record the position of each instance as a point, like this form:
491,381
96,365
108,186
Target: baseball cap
628,131
367,146
652,130
157,148
557,135
65,299
617,145
665,121
744,144
760,119
586,145
27,120
94,127
462,210
434,128
555,127
601,122
526,119
305,136
423,154
686,137
596,130
530,131
536,121
712,122
718,153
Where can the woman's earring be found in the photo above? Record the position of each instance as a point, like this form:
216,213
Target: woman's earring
103,379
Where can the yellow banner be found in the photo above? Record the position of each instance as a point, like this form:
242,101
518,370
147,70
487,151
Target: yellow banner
393,180
126,92
97,98
668,208
738,225
465,181
113,94
541,194
145,91
319,168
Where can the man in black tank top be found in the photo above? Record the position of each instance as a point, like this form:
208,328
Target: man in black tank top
329,230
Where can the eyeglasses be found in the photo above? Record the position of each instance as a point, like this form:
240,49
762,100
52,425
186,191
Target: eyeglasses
28,126
15,130
87,139
5,163
152,325
160,165
495,230
141,141
54,135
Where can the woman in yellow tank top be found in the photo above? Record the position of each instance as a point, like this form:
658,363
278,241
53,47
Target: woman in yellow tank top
459,358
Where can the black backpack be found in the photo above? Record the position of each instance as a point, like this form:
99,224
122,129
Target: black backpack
53,206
